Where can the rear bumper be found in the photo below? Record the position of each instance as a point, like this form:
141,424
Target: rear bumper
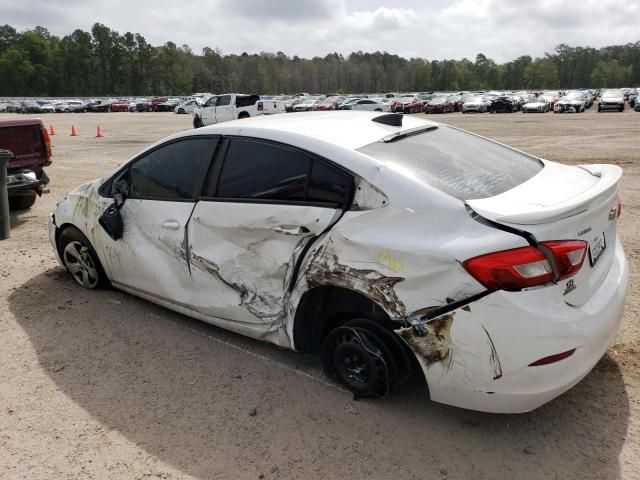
610,106
492,344
26,180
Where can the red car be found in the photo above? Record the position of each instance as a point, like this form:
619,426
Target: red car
440,104
323,106
406,105
29,143
119,106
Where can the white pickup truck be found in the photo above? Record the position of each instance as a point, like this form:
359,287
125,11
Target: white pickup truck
222,108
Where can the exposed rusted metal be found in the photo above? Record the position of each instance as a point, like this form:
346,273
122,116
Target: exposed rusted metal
326,269
433,342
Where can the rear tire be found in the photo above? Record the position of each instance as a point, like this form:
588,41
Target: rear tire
22,200
365,357
181,111
81,260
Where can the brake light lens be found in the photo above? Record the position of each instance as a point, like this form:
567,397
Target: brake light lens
524,267
618,207
568,256
47,141
553,358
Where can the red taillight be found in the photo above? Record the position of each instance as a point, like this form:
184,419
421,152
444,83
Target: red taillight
568,255
47,141
527,266
260,106
553,358
510,269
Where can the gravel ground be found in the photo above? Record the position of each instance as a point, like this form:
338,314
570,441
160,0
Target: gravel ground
104,385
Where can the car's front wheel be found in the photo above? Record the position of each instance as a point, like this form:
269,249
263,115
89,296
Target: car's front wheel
81,260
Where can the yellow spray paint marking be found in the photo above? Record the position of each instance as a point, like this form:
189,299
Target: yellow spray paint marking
386,259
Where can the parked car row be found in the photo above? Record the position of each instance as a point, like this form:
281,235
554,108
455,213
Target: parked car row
153,104
557,101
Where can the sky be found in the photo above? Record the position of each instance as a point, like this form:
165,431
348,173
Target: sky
432,29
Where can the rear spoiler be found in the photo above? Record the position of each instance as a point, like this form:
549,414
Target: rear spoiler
532,214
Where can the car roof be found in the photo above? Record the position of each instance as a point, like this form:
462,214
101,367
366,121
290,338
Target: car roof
346,129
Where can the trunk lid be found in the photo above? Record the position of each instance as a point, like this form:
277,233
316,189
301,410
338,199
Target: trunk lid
565,203
24,139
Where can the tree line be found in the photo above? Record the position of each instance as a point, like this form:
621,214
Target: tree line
103,62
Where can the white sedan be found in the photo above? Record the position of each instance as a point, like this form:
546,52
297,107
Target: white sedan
370,105
186,107
369,238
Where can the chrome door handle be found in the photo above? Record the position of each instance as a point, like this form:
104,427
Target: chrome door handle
171,225
291,229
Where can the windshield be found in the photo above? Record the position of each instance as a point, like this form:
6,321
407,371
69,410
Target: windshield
458,163
474,100
438,100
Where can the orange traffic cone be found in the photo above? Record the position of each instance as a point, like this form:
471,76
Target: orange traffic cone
73,131
51,130
98,132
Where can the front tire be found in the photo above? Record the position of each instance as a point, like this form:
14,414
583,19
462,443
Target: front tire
181,111
81,260
197,122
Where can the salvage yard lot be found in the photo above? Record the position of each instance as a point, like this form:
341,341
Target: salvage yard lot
105,385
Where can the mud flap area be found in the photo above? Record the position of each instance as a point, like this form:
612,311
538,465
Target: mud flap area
456,354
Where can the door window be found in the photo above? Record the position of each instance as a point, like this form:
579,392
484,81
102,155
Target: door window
329,185
224,100
170,172
260,170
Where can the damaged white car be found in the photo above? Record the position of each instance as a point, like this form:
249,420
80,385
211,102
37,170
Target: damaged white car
381,241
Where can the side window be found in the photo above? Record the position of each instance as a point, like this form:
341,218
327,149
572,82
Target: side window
224,100
171,171
121,183
254,169
329,185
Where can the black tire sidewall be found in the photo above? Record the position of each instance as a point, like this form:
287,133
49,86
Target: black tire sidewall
71,234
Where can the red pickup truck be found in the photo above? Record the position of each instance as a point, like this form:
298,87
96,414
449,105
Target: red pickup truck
29,141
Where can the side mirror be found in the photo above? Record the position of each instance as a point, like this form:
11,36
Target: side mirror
111,219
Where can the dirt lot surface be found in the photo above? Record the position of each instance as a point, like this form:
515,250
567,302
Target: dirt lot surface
104,385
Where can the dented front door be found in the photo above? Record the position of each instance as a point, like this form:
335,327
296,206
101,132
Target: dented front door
150,256
242,257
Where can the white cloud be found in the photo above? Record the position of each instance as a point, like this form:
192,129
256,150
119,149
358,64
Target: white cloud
501,29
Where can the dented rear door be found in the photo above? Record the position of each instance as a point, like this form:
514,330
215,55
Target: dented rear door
263,204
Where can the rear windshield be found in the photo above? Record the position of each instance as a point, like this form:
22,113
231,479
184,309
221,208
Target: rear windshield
458,163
